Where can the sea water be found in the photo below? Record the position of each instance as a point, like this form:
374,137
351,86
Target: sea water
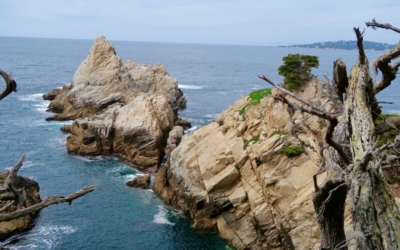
212,78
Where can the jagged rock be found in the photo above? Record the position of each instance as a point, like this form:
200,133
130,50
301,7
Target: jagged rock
124,109
266,194
9,228
140,182
103,79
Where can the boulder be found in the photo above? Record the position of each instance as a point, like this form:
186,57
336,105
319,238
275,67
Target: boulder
232,175
140,182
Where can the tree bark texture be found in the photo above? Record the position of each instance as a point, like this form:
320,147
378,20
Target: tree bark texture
329,204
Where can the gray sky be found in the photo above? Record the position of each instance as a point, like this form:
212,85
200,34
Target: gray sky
242,22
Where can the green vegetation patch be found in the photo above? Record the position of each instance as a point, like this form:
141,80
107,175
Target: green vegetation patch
379,120
296,69
292,151
253,139
255,97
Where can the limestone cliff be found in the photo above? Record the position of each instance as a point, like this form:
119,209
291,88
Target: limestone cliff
125,109
238,175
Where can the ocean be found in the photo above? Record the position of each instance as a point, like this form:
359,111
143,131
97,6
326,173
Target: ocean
212,78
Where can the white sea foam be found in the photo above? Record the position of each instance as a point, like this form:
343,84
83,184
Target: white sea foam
52,123
182,86
191,129
89,158
211,116
42,106
30,98
45,237
27,164
161,217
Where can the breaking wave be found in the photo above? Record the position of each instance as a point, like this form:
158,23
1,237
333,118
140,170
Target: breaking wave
182,86
161,217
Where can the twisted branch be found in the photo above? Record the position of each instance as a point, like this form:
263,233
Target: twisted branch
374,24
313,110
11,85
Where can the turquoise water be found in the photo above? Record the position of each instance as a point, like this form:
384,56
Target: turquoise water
113,216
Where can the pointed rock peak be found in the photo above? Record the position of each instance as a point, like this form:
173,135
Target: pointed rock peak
101,45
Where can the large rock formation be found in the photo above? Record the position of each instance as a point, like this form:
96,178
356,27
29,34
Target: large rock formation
23,223
123,109
241,174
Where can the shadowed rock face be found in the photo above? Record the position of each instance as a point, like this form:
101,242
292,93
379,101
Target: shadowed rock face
10,228
125,109
253,194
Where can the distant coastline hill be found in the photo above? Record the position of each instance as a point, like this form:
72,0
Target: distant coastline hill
348,45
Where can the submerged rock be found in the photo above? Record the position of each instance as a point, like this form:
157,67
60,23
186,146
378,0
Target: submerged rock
232,175
124,109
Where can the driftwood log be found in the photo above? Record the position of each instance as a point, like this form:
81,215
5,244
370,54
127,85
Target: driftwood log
351,158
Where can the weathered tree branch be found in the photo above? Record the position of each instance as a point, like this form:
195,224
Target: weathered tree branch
290,93
388,71
45,203
374,24
11,85
361,53
383,62
17,196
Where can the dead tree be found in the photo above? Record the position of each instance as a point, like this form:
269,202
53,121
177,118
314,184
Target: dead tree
352,158
13,197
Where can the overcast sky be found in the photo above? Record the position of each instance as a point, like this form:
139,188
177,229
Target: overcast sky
241,22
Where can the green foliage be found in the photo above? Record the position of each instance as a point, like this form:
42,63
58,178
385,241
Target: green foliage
296,69
388,135
253,139
255,98
292,151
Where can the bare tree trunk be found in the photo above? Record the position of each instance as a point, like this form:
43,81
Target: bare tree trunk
375,215
329,203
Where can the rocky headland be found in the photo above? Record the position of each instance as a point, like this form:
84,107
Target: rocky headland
248,174
119,108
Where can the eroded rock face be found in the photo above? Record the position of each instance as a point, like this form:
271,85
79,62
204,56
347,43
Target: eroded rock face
232,176
124,109
10,228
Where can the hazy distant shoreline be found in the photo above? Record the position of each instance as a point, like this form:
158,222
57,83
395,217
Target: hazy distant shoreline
344,45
